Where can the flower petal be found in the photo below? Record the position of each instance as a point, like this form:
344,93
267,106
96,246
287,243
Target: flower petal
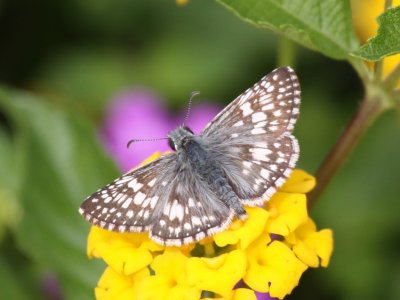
98,239
299,182
171,264
184,292
287,212
218,274
152,157
112,285
163,286
153,287
243,294
244,233
125,252
273,268
312,246
124,258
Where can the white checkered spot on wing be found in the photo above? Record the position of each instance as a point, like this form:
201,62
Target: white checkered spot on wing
269,107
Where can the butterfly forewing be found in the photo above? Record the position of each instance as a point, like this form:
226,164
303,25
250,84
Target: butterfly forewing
270,107
127,204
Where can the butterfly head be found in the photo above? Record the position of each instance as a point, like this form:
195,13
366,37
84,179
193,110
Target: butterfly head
178,137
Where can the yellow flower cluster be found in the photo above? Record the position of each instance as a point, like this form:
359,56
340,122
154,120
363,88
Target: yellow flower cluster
266,253
364,13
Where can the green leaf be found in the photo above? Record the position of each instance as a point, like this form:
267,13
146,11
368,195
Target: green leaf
64,164
387,41
85,76
12,285
11,171
324,26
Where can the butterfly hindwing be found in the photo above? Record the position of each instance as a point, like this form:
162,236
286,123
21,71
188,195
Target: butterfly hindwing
191,211
256,170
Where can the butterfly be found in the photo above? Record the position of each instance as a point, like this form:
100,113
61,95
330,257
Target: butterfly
240,158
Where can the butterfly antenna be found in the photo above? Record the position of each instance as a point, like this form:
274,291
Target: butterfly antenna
143,140
192,95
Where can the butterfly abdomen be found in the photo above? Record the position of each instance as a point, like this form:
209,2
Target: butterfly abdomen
203,163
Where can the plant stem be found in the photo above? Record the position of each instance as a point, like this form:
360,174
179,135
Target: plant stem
378,70
361,68
365,116
392,79
209,250
388,4
286,54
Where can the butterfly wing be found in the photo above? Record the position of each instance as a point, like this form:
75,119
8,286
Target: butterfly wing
163,197
251,139
127,203
192,211
270,107
252,136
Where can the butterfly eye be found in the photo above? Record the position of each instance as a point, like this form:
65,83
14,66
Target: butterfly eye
171,144
188,129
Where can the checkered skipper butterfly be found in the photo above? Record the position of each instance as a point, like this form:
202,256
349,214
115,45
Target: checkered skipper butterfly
241,157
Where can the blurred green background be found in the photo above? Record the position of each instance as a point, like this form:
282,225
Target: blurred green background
61,62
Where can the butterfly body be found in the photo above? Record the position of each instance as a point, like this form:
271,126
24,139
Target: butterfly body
208,169
241,157
194,158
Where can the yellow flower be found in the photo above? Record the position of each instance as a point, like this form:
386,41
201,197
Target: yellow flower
269,252
210,274
288,211
113,285
364,14
299,182
312,247
273,268
243,294
170,280
288,207
124,252
244,233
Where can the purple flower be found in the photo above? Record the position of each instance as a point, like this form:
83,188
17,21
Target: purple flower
264,296
141,114
259,295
